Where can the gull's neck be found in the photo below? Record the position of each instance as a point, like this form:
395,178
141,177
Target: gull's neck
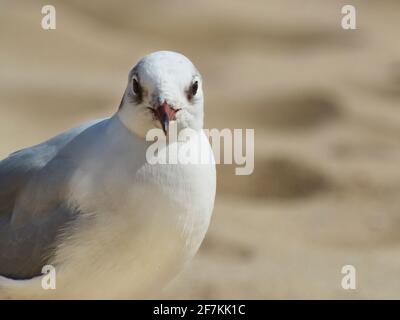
117,127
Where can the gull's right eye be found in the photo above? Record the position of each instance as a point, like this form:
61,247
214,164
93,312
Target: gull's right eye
136,87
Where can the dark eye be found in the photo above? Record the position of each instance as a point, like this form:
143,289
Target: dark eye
195,87
136,87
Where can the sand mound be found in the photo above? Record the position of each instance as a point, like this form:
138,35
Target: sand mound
278,177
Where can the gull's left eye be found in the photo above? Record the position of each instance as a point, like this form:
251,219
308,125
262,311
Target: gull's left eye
195,87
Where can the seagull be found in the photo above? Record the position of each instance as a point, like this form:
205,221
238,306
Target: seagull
88,203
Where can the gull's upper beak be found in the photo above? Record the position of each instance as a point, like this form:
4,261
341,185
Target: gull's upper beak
165,113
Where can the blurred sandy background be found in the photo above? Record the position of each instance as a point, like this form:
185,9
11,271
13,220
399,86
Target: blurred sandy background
324,103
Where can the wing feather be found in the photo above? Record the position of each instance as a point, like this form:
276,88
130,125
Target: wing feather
32,205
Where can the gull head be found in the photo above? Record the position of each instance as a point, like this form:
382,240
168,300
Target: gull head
163,88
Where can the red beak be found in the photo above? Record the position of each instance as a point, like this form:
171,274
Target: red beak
165,113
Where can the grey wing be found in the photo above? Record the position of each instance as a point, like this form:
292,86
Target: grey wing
18,168
33,207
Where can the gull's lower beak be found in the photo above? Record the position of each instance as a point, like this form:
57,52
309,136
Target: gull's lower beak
165,113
